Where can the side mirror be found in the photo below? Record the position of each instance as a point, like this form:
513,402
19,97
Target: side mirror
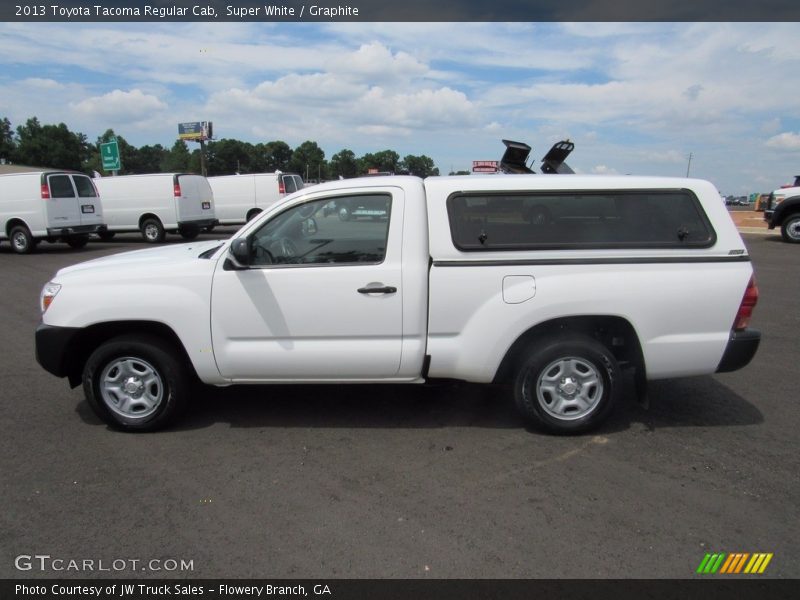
240,251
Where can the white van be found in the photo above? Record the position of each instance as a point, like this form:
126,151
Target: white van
48,205
239,198
158,203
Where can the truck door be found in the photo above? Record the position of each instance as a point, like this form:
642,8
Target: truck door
320,299
63,208
91,212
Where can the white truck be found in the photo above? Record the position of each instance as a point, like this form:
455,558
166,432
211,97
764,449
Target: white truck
549,284
783,211
48,205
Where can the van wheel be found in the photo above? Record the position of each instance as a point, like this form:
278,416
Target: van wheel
344,214
153,231
77,241
567,384
135,383
189,233
253,214
106,236
21,240
790,230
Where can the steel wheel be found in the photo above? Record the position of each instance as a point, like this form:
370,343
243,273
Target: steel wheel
569,388
153,231
21,240
131,387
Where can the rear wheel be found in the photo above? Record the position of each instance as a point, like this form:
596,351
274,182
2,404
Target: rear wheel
77,241
153,231
21,240
790,230
106,236
135,383
344,214
567,384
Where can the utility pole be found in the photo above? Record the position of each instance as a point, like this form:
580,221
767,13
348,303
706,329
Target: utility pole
689,166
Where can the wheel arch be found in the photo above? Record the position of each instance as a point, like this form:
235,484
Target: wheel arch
146,216
786,209
13,222
90,338
615,332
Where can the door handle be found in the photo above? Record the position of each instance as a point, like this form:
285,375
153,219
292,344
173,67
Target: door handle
377,290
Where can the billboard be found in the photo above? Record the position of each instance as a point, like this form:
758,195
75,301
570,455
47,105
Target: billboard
196,130
485,166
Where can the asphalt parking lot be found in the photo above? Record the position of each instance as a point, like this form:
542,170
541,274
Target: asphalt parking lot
403,481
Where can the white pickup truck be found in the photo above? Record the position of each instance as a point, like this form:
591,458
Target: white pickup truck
550,284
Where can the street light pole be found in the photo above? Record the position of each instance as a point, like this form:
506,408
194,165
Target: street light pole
689,166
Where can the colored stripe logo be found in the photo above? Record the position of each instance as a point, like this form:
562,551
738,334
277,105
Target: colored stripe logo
734,563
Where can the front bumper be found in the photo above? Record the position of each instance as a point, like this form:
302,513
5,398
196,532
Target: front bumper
53,348
768,218
741,349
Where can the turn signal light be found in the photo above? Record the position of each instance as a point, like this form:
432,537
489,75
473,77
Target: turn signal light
749,302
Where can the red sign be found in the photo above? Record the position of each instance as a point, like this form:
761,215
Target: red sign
485,166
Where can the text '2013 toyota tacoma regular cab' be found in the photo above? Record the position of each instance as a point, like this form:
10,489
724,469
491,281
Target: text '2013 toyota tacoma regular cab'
550,284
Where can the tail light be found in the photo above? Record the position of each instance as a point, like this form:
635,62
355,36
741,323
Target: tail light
176,190
45,191
746,307
281,186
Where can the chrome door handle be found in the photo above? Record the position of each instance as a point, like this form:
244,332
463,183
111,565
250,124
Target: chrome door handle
377,290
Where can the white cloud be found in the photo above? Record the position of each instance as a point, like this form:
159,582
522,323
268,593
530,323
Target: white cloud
120,106
785,141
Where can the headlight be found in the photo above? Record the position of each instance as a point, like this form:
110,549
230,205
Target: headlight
49,292
777,200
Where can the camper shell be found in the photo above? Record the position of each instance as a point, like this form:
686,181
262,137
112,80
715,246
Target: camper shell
48,205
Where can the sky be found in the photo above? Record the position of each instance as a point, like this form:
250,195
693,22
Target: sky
635,98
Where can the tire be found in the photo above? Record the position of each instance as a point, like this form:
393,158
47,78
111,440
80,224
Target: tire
133,361
106,236
790,229
21,240
567,384
78,241
189,233
153,231
344,214
253,214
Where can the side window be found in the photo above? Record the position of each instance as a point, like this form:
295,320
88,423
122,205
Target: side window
313,234
614,219
84,187
60,186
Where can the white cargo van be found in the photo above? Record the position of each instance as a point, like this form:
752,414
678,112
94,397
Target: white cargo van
48,205
239,198
158,203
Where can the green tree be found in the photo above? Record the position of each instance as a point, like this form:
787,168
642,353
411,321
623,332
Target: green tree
421,166
385,160
343,163
151,157
227,157
177,158
308,160
52,146
7,145
272,156
130,160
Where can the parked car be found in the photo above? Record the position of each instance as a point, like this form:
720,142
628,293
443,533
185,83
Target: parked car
549,284
239,198
157,204
48,206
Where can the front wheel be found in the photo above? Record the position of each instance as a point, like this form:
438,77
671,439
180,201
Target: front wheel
135,383
78,241
568,384
790,230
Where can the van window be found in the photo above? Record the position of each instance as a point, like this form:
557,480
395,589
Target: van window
84,187
574,220
60,186
310,235
289,184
